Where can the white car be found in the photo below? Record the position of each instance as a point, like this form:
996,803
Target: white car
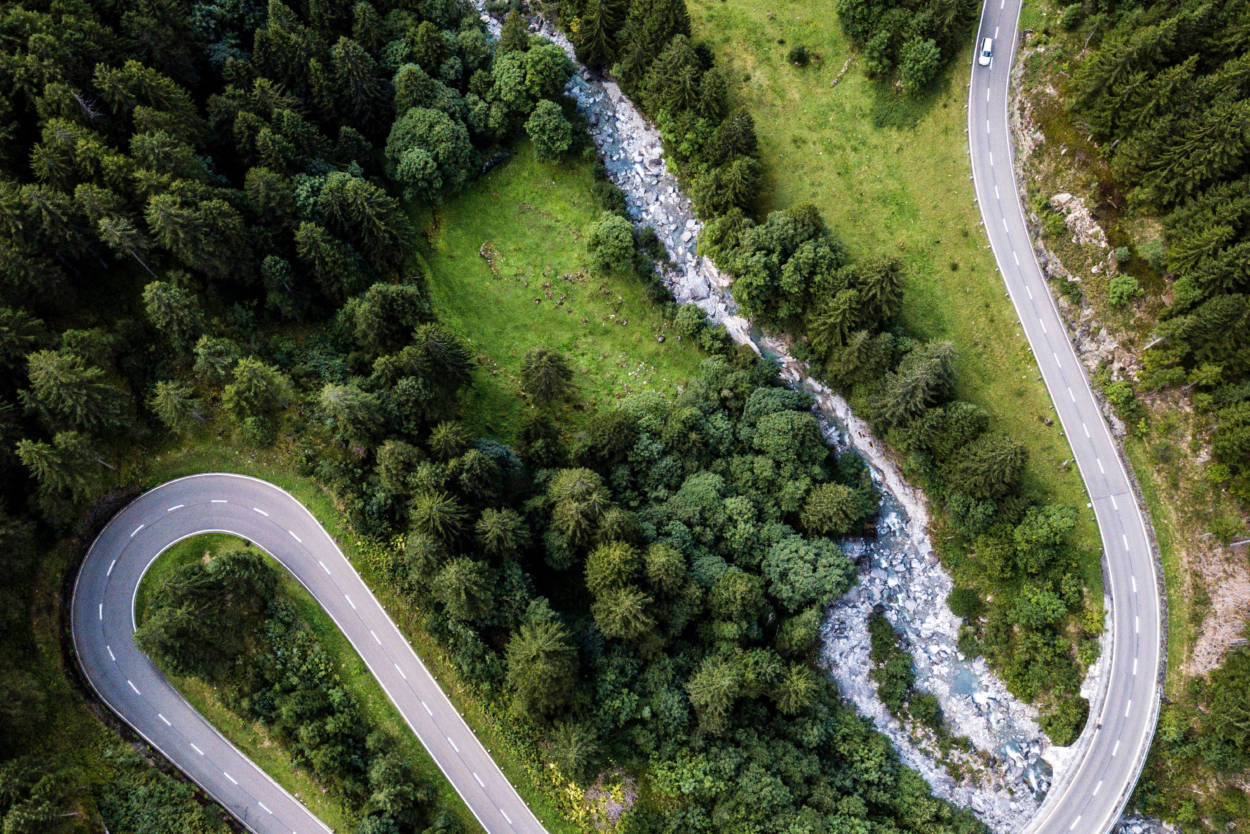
987,52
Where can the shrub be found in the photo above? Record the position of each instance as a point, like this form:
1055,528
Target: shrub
550,132
1123,289
965,603
918,63
1071,17
611,243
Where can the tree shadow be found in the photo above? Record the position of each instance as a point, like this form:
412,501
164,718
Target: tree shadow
891,107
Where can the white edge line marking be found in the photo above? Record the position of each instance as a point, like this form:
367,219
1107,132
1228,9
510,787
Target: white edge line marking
112,565
135,532
231,778
401,672
163,718
478,779
297,538
132,686
175,507
196,749
259,510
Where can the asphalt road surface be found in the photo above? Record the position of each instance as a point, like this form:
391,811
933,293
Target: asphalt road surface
1091,798
102,622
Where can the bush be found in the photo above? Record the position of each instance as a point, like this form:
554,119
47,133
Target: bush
918,63
1071,17
799,56
258,431
965,603
1064,723
611,243
550,132
1123,289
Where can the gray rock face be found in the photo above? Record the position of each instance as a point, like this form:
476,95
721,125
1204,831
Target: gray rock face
899,571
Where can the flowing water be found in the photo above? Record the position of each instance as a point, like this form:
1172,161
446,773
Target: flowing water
900,576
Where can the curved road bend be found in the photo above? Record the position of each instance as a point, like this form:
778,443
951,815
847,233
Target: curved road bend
102,623
1091,796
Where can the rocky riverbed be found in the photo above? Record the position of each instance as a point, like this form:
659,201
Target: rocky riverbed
900,575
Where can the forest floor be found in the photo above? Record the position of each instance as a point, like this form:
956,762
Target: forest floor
891,177
253,738
508,272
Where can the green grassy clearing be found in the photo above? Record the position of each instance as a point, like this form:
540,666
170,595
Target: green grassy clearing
539,291
252,737
891,177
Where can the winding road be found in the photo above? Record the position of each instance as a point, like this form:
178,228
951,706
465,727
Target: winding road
102,624
1089,795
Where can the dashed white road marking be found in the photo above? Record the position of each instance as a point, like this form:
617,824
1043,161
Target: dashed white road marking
1097,787
996,31
1124,538
112,656
987,93
1042,322
1114,505
297,538
987,126
135,531
478,779
374,635
323,567
453,744
1085,429
1128,707
427,708
1099,462
1005,226
175,507
163,718
100,611
1071,396
1115,749
1016,258
991,156
112,565
196,749
1055,356
231,778
401,672
1136,625
1134,667
259,510
1026,289
1074,822
1133,579
132,686
505,816
264,807
997,196
220,501
349,601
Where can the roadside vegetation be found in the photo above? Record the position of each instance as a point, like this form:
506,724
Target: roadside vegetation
255,654
1151,249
